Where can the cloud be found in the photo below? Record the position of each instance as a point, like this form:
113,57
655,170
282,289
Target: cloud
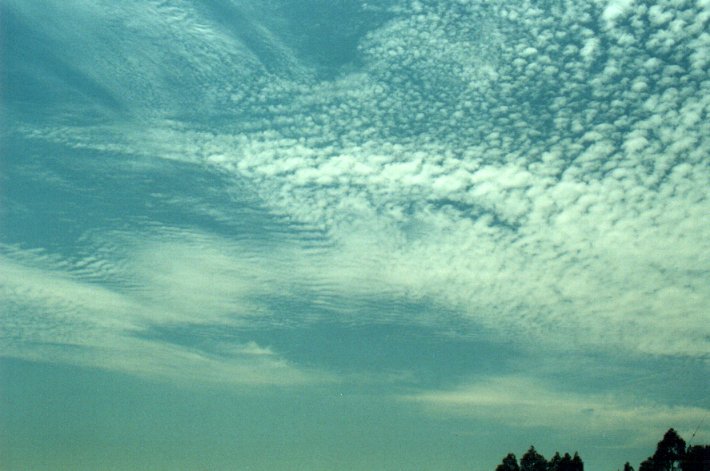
528,170
520,402
616,9
54,310
131,63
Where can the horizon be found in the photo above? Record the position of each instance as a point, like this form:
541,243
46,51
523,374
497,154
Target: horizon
313,234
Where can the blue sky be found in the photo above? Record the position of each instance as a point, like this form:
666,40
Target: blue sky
315,234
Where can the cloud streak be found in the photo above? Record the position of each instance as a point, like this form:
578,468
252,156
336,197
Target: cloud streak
55,312
521,402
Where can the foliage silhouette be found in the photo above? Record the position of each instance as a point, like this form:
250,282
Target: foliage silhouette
555,462
697,458
534,461
671,454
510,463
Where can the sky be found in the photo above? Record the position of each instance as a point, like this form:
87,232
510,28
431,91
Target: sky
359,235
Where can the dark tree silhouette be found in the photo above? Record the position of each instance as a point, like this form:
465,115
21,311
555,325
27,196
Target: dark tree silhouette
647,465
672,455
555,462
577,464
697,458
533,461
566,463
669,452
510,463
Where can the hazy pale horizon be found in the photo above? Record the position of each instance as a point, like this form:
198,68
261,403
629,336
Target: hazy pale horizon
339,234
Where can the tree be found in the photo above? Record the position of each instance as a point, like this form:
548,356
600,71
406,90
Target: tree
533,461
577,464
555,462
566,463
510,463
628,467
669,452
647,465
697,458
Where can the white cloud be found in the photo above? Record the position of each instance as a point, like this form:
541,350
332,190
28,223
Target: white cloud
51,312
567,205
615,9
519,402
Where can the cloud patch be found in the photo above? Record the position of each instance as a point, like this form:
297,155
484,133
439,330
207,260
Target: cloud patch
527,403
53,311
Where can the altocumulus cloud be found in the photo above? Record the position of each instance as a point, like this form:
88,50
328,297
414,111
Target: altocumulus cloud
539,168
